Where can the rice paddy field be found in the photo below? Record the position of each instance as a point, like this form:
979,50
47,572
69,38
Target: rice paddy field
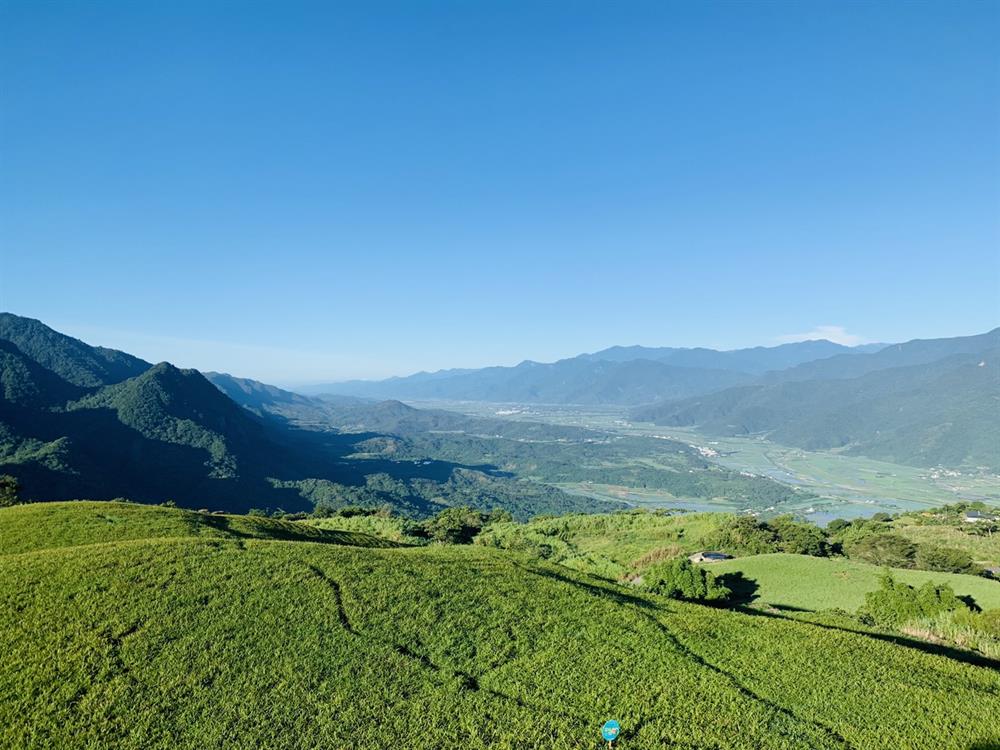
150,630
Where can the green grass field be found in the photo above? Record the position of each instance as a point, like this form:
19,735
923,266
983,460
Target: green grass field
606,544
393,528
817,583
27,528
216,640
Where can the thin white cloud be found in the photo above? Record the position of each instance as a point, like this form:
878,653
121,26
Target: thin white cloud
836,334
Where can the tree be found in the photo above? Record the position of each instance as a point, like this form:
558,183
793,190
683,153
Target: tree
837,524
798,538
743,534
892,550
9,491
456,525
679,579
944,559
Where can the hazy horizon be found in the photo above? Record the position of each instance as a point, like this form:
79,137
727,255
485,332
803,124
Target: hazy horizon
203,355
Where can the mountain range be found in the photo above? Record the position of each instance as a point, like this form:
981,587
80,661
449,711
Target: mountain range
86,422
922,403
620,375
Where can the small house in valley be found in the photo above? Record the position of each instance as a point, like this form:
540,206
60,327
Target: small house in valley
977,516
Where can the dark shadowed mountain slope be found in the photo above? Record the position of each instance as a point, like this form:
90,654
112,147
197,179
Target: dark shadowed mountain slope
25,383
181,407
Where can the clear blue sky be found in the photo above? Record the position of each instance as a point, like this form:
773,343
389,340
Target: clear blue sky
310,191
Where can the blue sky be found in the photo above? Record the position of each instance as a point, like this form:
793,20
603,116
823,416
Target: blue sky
301,191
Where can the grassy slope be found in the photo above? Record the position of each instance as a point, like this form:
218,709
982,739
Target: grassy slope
825,583
984,550
26,528
392,528
246,643
607,544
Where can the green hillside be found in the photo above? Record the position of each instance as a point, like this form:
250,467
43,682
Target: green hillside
25,384
181,407
196,642
816,583
42,526
609,545
983,549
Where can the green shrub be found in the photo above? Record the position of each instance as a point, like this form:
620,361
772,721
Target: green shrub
9,491
944,560
895,603
798,538
892,550
743,535
679,579
836,525
460,525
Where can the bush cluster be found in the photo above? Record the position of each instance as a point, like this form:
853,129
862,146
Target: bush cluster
679,579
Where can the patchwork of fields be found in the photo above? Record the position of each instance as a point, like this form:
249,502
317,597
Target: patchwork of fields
846,486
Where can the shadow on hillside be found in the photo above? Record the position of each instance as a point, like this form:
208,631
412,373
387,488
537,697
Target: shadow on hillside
100,457
988,745
744,590
271,529
326,455
617,596
789,608
966,657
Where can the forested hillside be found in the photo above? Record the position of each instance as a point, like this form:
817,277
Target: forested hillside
941,413
88,429
71,359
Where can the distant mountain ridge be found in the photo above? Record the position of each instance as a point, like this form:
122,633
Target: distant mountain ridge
915,352
925,402
616,376
754,361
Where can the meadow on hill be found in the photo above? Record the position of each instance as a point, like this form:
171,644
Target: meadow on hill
145,627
